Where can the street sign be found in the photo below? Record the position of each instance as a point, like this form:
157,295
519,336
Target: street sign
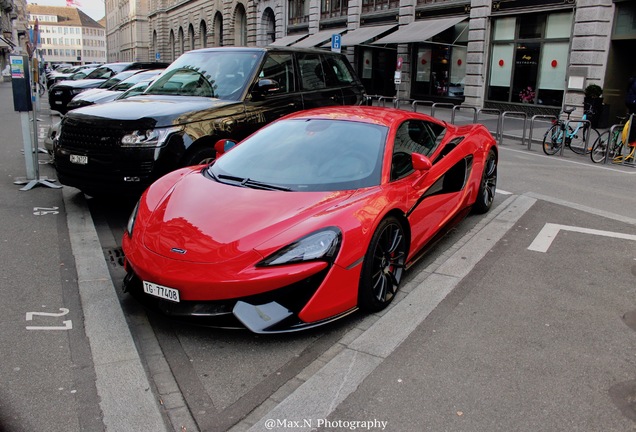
336,41
157,56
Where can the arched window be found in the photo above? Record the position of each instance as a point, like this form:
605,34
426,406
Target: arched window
218,29
172,46
181,41
203,34
240,26
191,36
155,48
268,26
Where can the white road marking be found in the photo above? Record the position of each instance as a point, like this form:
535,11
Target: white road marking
503,192
548,233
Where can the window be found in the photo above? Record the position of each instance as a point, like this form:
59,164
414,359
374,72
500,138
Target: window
529,59
280,68
311,72
413,136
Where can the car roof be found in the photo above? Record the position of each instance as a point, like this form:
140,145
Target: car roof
367,114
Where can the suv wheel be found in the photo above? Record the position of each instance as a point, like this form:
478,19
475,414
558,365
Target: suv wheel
200,156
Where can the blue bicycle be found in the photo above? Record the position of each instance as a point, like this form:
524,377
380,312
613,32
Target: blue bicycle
579,140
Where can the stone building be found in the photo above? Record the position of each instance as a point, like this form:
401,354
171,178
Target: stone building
529,55
68,35
13,29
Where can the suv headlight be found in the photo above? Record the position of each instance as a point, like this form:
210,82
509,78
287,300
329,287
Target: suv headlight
76,91
320,245
147,138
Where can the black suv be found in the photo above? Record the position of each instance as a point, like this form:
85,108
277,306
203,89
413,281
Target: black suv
204,96
61,93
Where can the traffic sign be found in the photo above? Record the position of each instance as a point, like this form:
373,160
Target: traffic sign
336,41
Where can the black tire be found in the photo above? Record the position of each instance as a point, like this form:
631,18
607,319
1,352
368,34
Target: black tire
488,185
580,145
199,156
383,266
599,149
553,140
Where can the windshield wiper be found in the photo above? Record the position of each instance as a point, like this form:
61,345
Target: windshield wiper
247,182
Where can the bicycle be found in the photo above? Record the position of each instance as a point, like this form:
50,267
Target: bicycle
606,145
557,135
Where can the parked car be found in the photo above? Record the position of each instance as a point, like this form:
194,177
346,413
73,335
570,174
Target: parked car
112,88
62,74
307,220
205,95
62,92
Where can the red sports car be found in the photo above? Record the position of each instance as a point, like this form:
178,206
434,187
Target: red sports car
307,220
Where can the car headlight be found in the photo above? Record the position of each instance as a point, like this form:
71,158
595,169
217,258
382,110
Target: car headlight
76,91
147,138
320,245
131,220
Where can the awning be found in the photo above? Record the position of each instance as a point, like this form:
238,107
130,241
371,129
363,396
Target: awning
362,35
419,31
5,43
289,39
319,38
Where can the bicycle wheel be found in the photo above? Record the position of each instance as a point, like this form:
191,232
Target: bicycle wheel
599,149
553,139
579,143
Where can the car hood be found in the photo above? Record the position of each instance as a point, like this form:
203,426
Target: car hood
98,96
159,111
201,220
84,83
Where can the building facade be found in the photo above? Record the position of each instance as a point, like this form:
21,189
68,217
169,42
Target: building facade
528,55
67,35
13,29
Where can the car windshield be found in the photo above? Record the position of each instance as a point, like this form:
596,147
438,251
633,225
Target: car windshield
219,74
116,79
306,155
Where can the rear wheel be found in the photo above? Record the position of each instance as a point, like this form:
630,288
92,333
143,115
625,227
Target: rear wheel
599,149
553,139
580,144
488,186
383,266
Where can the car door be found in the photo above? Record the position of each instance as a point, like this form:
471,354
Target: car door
435,196
316,84
275,92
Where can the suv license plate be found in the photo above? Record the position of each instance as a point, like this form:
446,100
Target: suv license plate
161,291
79,159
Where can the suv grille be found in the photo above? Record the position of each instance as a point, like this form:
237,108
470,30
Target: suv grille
89,137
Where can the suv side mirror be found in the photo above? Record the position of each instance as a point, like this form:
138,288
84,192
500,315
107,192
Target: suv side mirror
265,86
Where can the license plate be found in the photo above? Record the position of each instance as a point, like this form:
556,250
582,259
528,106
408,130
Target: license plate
161,291
58,102
79,159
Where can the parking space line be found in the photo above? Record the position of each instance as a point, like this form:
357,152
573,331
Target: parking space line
548,233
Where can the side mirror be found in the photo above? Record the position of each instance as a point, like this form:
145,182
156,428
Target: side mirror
421,162
223,146
266,85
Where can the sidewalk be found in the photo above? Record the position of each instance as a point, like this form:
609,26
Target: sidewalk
73,366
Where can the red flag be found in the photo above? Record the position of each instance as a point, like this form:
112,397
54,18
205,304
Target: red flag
71,3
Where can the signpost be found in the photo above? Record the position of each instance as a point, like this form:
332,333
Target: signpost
336,42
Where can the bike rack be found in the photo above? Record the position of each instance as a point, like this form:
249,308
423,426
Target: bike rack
491,111
422,102
567,124
507,114
609,142
440,105
460,107
397,103
532,120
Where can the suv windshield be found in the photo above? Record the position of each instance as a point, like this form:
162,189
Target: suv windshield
221,75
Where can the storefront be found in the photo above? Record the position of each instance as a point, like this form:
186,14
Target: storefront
529,58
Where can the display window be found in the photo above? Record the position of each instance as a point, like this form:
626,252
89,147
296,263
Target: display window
528,59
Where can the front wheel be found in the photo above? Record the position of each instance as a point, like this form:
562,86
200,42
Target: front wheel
600,147
488,185
553,139
383,266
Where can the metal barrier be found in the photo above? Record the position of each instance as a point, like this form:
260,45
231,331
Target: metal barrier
460,107
397,103
612,137
422,102
507,114
491,111
532,120
440,105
